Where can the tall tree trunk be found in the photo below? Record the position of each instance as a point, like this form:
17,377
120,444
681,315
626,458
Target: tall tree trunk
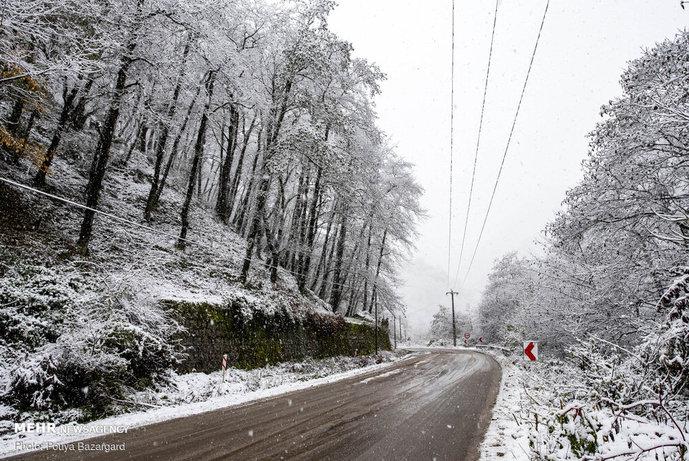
311,231
102,154
77,118
243,211
240,165
68,99
294,224
275,120
223,206
158,184
256,223
165,133
196,161
139,139
337,286
303,227
324,251
323,290
366,265
374,294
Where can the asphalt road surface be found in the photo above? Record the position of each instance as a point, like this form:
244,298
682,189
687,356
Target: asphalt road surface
434,405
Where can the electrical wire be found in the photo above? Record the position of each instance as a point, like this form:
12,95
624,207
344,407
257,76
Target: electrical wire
509,140
452,131
478,142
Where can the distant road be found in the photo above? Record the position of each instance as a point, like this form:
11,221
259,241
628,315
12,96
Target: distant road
434,405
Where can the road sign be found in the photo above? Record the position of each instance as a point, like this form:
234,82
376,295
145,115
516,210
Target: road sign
531,350
467,335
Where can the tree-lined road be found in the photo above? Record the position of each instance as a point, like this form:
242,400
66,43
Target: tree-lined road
433,405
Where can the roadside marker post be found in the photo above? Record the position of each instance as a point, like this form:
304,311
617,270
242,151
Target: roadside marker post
531,350
224,366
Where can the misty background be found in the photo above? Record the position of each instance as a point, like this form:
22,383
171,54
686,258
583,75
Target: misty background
583,50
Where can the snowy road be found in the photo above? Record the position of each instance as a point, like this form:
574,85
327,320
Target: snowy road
434,405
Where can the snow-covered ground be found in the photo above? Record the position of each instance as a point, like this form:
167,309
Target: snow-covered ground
543,411
196,393
507,436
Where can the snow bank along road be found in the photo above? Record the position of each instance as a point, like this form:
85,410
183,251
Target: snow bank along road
434,405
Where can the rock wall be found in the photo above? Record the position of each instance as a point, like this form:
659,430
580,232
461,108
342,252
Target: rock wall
253,338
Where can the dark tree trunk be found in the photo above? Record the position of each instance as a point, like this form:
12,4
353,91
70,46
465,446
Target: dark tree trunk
158,185
68,100
272,131
324,252
136,142
240,165
162,138
305,265
295,224
77,118
324,289
102,154
256,222
243,211
374,294
301,237
223,207
337,286
366,265
195,162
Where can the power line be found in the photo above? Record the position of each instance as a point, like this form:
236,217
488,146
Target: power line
97,211
478,141
509,140
134,223
452,131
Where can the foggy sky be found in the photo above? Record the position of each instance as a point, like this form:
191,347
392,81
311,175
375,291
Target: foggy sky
584,48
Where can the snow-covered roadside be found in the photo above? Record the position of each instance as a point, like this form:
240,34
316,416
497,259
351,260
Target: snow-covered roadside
506,437
206,392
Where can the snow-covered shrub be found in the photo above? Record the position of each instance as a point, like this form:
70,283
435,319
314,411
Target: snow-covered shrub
66,375
33,301
668,347
68,341
621,403
147,353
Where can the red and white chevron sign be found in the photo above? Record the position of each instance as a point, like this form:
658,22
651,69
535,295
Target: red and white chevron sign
531,350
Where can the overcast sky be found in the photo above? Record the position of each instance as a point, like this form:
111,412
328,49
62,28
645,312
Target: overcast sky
584,48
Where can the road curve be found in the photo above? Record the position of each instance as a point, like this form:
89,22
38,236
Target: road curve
434,405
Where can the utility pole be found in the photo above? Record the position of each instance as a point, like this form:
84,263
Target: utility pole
394,330
375,305
452,293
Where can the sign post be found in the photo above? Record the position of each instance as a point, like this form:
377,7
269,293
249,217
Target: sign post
224,366
531,350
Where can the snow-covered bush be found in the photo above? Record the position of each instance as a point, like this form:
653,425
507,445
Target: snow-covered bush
33,301
70,341
620,403
668,348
